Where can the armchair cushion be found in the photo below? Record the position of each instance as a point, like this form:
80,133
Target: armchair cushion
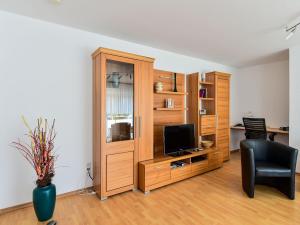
269,169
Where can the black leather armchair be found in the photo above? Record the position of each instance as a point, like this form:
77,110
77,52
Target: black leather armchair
269,163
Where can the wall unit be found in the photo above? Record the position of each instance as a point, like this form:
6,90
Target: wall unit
214,125
122,119
160,171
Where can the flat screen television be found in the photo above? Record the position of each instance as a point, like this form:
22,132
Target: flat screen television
178,138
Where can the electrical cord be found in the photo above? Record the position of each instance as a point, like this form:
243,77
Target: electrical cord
89,173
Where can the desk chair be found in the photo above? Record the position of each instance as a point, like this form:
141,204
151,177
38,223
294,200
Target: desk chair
255,128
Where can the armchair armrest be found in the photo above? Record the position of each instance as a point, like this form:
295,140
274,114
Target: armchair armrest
247,158
248,167
283,154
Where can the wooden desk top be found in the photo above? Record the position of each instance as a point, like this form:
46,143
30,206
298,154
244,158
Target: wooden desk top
269,129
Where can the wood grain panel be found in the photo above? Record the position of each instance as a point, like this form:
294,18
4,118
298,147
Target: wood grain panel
157,173
96,124
168,117
223,113
121,54
199,166
119,170
181,171
119,146
215,158
145,126
207,125
193,103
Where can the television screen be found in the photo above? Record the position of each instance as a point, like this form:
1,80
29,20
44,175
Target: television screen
178,138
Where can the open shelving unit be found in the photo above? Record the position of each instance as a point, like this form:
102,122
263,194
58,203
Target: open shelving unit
215,124
166,116
205,125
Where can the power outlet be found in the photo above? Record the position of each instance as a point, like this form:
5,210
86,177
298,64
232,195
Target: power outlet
88,166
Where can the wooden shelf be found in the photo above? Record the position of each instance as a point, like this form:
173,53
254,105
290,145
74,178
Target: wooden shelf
206,83
208,134
207,115
169,159
170,93
207,99
170,109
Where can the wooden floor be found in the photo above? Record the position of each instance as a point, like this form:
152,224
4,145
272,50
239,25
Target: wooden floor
214,198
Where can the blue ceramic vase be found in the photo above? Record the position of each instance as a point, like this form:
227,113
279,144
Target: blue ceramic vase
44,202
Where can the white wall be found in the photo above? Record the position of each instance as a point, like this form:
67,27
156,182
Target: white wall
46,70
263,91
295,100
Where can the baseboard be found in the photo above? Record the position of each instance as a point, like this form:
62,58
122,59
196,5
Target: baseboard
29,204
234,151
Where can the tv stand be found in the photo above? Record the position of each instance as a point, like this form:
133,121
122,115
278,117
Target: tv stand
159,171
180,153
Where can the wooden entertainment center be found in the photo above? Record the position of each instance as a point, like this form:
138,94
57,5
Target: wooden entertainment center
129,115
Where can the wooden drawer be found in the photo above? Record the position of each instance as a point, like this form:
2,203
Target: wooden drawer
215,158
200,166
181,171
157,173
207,125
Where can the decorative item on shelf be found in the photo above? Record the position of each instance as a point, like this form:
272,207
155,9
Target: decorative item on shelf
39,153
203,77
203,93
175,82
169,103
202,111
116,79
207,144
159,86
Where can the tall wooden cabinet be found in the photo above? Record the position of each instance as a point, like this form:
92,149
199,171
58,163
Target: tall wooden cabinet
214,123
223,113
122,119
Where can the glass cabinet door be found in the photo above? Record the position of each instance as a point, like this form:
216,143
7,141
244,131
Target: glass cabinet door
119,101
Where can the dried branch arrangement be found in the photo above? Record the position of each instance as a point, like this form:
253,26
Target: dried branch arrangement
39,153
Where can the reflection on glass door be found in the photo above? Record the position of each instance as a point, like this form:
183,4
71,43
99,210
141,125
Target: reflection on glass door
119,101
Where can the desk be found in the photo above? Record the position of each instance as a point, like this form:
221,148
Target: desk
272,131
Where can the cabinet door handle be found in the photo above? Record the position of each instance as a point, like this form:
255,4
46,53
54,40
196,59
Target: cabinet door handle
135,127
140,126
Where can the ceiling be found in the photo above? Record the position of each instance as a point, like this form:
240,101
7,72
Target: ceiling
233,32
